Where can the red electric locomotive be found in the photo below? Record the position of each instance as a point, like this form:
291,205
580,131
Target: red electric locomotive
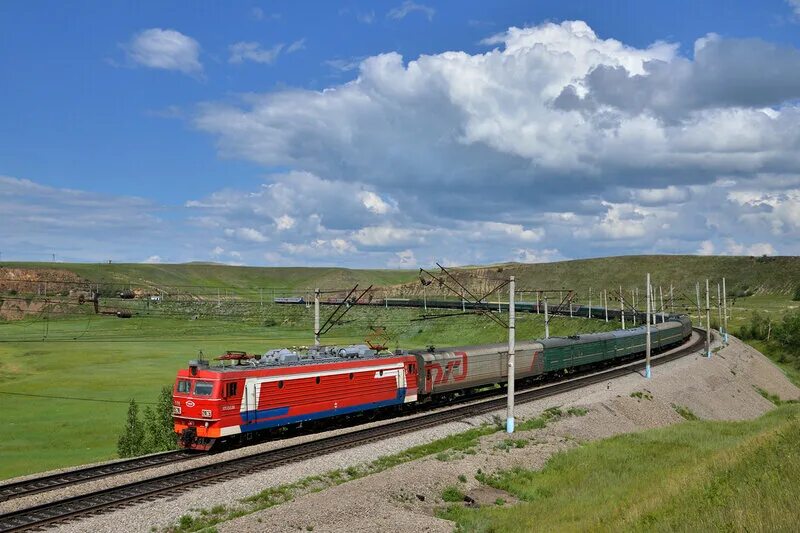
256,393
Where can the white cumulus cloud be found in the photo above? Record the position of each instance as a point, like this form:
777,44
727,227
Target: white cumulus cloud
385,236
284,222
246,234
165,49
374,203
403,259
706,248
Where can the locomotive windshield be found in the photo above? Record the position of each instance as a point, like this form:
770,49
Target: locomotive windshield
184,386
203,388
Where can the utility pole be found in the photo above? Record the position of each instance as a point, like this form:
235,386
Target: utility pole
719,308
511,347
605,300
316,317
425,298
261,296
547,319
633,299
661,297
725,310
538,299
589,315
708,322
647,343
622,306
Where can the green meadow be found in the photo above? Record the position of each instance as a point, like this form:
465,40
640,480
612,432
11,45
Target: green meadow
65,383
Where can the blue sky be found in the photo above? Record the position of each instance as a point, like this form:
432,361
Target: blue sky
397,133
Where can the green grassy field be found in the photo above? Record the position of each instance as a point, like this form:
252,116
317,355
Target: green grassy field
696,476
46,362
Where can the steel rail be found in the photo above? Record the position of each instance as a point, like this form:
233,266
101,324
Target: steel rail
122,496
19,489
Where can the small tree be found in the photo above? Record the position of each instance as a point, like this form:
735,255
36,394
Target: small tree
787,334
131,442
162,428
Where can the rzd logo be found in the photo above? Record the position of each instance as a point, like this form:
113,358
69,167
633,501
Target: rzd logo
455,369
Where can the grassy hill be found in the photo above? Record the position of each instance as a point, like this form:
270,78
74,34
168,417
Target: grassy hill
768,275
207,278
772,275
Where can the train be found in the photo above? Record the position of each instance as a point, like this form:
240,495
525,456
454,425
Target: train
246,396
563,308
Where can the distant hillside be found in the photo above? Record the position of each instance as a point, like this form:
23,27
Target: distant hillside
756,274
206,278
774,275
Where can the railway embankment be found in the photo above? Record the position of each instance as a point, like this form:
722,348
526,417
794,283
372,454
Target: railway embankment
361,490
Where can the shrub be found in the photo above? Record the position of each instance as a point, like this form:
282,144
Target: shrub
758,328
796,295
452,494
685,412
130,443
787,333
158,424
154,432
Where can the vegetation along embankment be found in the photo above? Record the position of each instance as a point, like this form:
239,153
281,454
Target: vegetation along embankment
698,476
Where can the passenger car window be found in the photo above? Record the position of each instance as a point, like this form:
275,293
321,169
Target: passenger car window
231,389
184,386
203,388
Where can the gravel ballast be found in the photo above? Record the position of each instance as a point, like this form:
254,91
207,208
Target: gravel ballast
403,498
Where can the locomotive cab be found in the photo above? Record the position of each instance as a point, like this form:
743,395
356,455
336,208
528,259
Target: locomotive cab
195,406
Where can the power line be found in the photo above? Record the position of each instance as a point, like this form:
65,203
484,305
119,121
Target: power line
48,397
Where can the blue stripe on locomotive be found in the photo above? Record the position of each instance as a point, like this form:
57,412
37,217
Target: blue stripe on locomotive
277,418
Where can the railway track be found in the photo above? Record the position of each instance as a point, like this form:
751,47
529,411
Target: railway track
63,479
118,497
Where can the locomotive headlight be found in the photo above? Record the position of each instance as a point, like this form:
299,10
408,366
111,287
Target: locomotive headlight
176,410
206,413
